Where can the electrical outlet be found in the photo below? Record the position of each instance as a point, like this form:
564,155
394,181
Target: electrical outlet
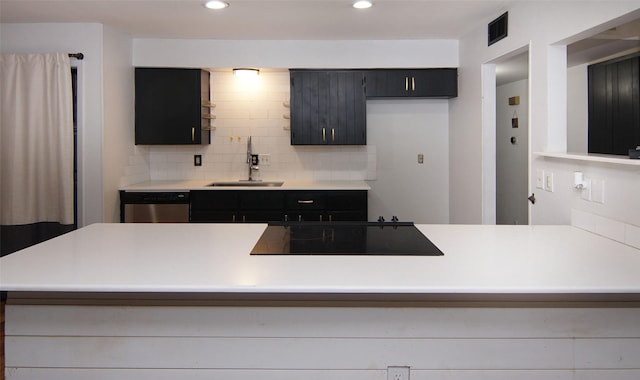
398,373
197,160
265,159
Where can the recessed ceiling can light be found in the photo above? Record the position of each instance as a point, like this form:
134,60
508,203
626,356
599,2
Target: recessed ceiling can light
245,72
362,4
216,4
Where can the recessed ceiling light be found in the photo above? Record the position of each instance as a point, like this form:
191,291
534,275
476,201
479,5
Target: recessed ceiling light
216,4
362,4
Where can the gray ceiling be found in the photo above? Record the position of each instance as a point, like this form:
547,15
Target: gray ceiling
305,20
266,19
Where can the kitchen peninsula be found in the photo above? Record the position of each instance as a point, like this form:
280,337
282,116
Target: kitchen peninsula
187,300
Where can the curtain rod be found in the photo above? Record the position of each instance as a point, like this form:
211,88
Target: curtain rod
78,56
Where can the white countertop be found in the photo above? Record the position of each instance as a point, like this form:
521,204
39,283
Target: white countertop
186,185
214,258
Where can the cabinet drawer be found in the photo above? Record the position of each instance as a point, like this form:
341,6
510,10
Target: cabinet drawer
306,216
213,216
261,200
305,200
214,200
346,200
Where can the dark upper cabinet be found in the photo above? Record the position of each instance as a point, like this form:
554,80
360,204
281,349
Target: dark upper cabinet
614,106
417,83
328,107
171,106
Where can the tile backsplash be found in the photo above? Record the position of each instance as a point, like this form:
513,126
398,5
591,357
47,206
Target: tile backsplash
257,108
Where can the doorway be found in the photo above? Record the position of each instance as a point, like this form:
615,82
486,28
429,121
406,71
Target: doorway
512,139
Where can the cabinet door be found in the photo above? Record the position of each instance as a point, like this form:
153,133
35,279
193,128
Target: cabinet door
168,106
348,205
306,128
346,113
434,83
626,118
389,83
261,206
614,106
328,107
214,206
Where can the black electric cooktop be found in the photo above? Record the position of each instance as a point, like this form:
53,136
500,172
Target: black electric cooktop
344,238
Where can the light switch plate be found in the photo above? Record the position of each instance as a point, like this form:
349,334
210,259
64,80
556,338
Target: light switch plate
586,191
540,179
597,195
548,182
265,159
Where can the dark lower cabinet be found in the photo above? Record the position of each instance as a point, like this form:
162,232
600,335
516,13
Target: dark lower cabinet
614,106
214,206
260,206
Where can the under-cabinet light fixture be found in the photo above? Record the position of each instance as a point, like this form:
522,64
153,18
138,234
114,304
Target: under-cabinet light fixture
216,4
245,73
362,4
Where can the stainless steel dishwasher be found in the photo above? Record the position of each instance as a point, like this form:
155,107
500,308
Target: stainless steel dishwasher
154,207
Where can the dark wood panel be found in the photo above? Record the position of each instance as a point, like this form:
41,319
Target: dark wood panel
614,106
418,83
278,205
600,103
168,105
214,200
328,107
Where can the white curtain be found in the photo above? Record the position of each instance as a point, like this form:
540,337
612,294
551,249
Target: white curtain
36,139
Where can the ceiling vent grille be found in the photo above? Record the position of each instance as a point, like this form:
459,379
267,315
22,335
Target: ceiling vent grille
498,28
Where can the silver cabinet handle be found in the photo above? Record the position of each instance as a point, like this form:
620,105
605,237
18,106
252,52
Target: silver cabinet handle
333,135
324,135
406,83
193,134
307,202
413,83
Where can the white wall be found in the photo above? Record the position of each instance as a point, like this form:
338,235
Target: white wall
577,109
256,108
539,25
72,38
118,138
295,54
400,130
462,342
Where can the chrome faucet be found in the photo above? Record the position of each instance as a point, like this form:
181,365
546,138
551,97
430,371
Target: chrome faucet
252,160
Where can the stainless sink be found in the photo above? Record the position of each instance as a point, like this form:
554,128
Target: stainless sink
247,183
